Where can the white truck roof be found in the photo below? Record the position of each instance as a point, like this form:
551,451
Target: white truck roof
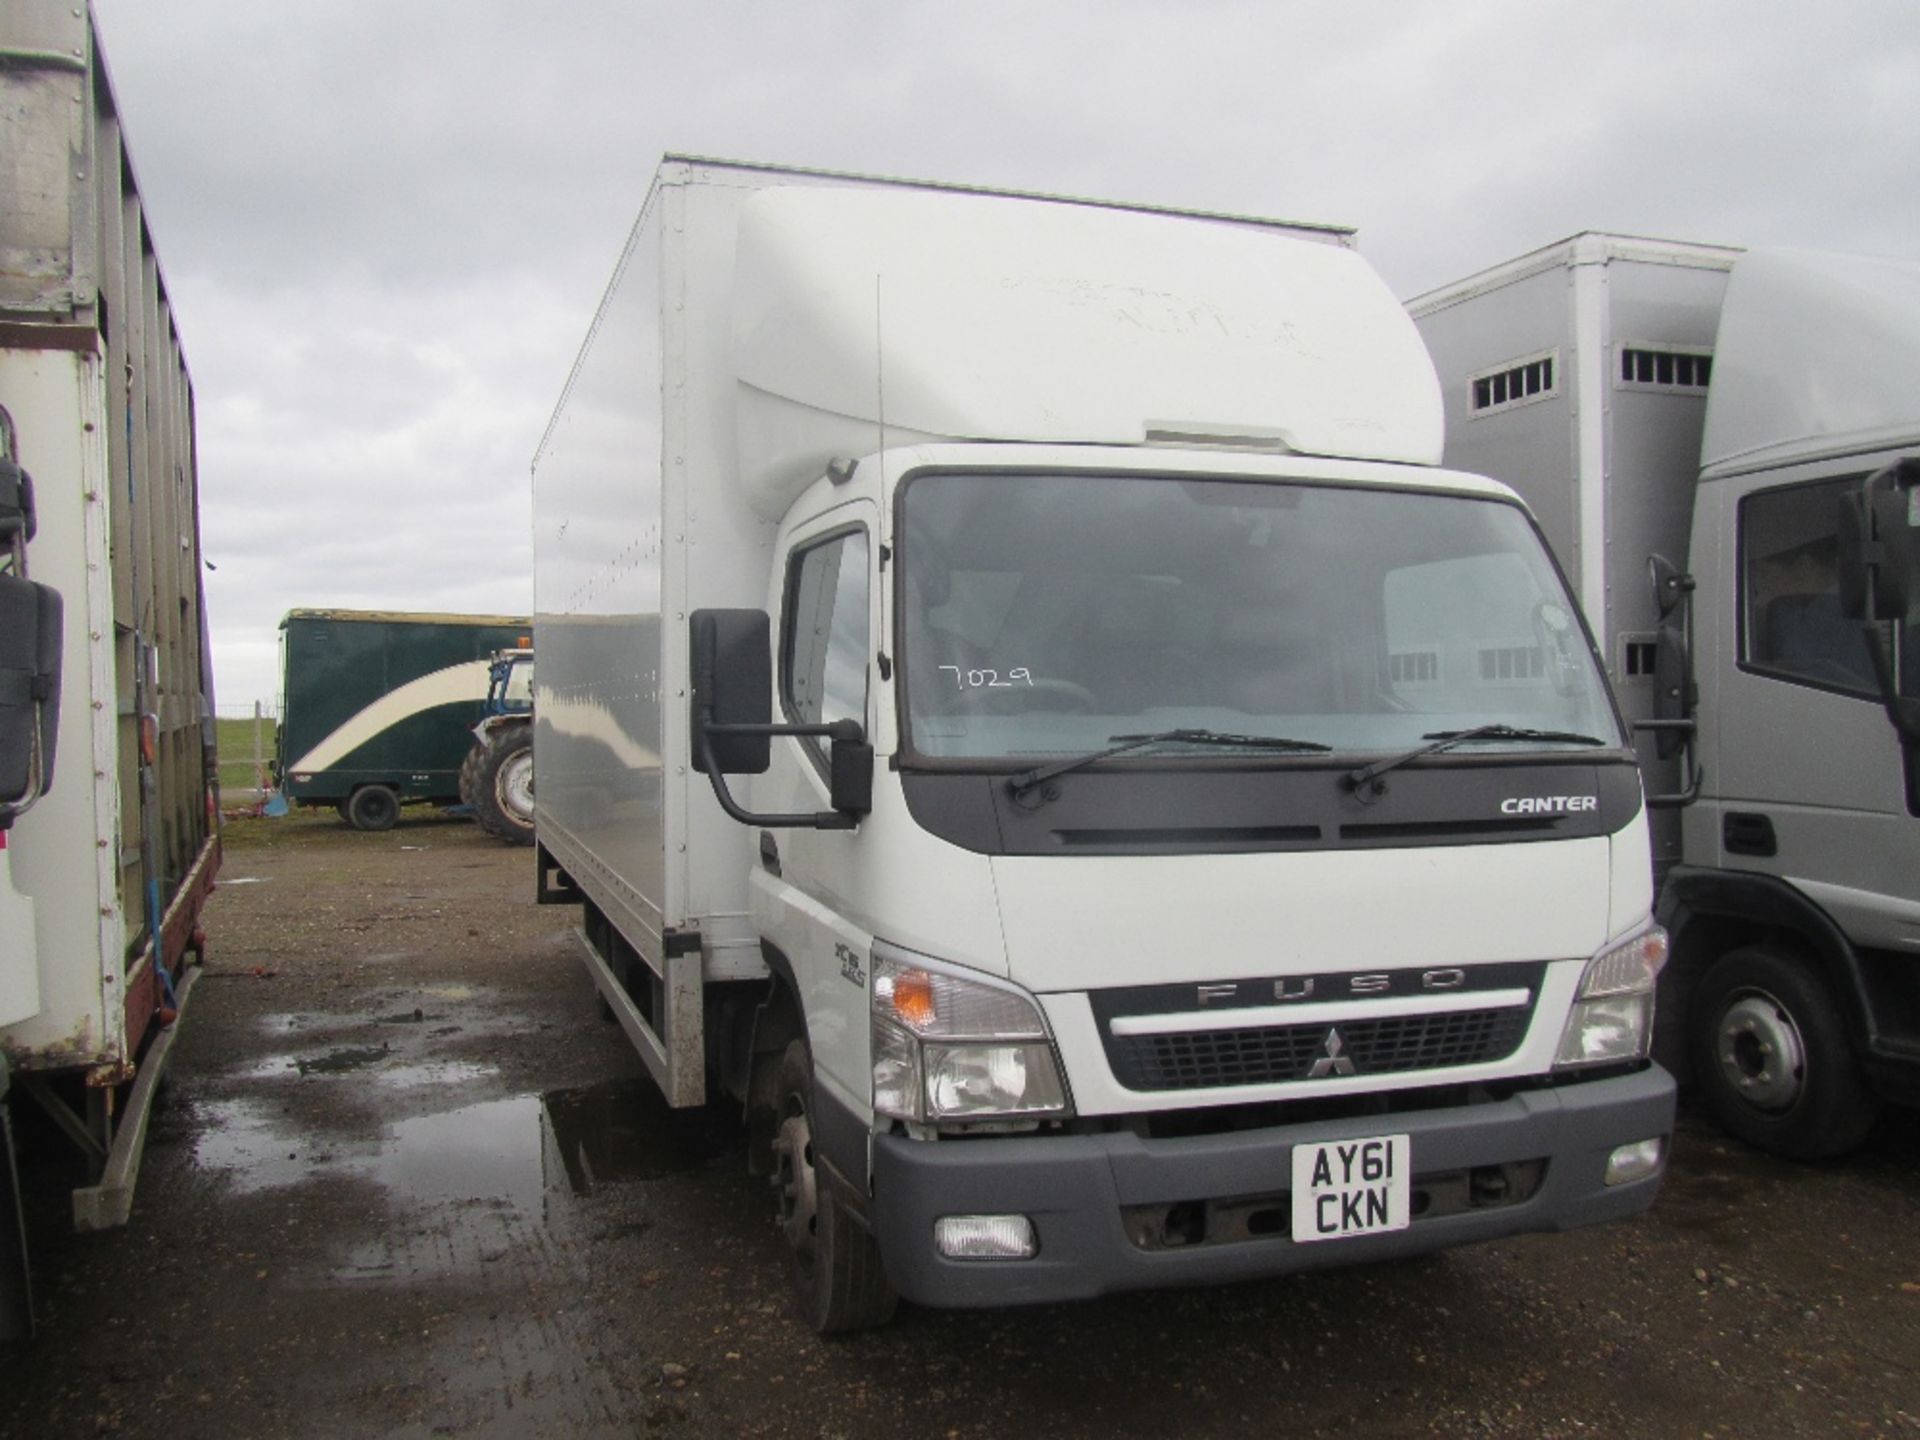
1816,356
953,315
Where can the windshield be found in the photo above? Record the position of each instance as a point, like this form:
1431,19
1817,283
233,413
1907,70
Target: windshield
1046,614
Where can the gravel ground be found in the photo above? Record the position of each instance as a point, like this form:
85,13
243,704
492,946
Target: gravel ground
407,1184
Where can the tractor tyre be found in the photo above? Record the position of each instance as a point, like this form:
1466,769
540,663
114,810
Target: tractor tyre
503,785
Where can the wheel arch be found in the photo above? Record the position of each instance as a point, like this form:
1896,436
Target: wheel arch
842,1138
1710,912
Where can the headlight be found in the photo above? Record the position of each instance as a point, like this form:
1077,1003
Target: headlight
954,1046
1612,1014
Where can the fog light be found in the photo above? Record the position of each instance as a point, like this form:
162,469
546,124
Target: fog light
1635,1161
985,1237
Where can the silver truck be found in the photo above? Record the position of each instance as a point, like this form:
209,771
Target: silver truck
1721,445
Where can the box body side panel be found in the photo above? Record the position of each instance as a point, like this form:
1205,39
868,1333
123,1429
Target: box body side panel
1528,443
600,555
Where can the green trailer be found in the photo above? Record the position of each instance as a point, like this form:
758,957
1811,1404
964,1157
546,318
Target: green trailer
378,707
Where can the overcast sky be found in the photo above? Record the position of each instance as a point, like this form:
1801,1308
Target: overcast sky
385,224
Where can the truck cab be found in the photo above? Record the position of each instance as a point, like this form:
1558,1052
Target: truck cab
1796,907
1719,445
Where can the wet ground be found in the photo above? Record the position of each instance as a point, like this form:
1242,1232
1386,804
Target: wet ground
406,1184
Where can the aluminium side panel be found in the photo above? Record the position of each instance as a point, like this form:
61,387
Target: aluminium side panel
1488,334
601,690
1661,317
727,559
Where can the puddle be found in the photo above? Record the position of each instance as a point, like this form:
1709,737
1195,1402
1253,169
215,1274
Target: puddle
433,1072
469,1186
623,1130
488,1152
256,1149
339,1062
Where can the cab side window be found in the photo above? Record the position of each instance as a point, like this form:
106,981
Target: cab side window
1789,571
824,664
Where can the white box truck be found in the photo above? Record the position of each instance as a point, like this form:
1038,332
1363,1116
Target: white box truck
1022,712
108,839
1700,431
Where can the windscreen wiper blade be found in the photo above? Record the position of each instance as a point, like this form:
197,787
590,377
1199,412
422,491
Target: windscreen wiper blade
1020,784
1447,739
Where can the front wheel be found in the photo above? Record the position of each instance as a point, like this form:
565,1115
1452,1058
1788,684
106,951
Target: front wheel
1770,1049
837,1275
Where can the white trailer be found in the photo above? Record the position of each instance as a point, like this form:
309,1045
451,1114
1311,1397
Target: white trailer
1196,842
108,845
1687,421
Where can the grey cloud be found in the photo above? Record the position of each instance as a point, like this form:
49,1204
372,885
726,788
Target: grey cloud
386,225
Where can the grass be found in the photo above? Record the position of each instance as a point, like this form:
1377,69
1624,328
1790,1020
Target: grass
235,739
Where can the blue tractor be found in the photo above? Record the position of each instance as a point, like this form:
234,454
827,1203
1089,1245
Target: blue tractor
496,778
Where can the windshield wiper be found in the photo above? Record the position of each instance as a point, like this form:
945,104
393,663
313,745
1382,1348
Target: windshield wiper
1369,775
1020,784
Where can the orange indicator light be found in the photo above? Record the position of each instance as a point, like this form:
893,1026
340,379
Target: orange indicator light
913,999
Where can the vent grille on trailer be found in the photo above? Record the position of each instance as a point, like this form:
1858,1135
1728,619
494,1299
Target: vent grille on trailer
1517,382
1658,367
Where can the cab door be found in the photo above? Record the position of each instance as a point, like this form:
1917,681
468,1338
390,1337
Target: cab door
824,624
1808,781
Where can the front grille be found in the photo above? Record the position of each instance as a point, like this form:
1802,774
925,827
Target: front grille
1205,1059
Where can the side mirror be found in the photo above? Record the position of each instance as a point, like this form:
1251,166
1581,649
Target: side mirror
30,636
1879,564
730,653
1670,584
1879,535
850,774
16,503
1674,693
1673,697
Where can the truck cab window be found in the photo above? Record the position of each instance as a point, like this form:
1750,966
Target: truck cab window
1791,620
825,661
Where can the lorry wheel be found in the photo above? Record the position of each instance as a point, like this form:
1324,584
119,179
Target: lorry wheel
837,1275
503,785
1771,1052
373,807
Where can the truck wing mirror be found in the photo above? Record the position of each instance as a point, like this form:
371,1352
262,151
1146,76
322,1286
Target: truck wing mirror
1880,543
30,636
1879,534
1674,692
730,654
1670,584
16,503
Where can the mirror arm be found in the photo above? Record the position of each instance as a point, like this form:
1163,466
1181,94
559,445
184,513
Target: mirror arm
815,820
1680,799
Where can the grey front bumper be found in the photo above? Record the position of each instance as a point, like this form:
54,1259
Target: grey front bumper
1075,1187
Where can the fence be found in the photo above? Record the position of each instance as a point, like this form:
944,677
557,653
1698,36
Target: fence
247,737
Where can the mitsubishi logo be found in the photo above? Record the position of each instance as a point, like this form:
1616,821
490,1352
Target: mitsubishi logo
1332,1061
